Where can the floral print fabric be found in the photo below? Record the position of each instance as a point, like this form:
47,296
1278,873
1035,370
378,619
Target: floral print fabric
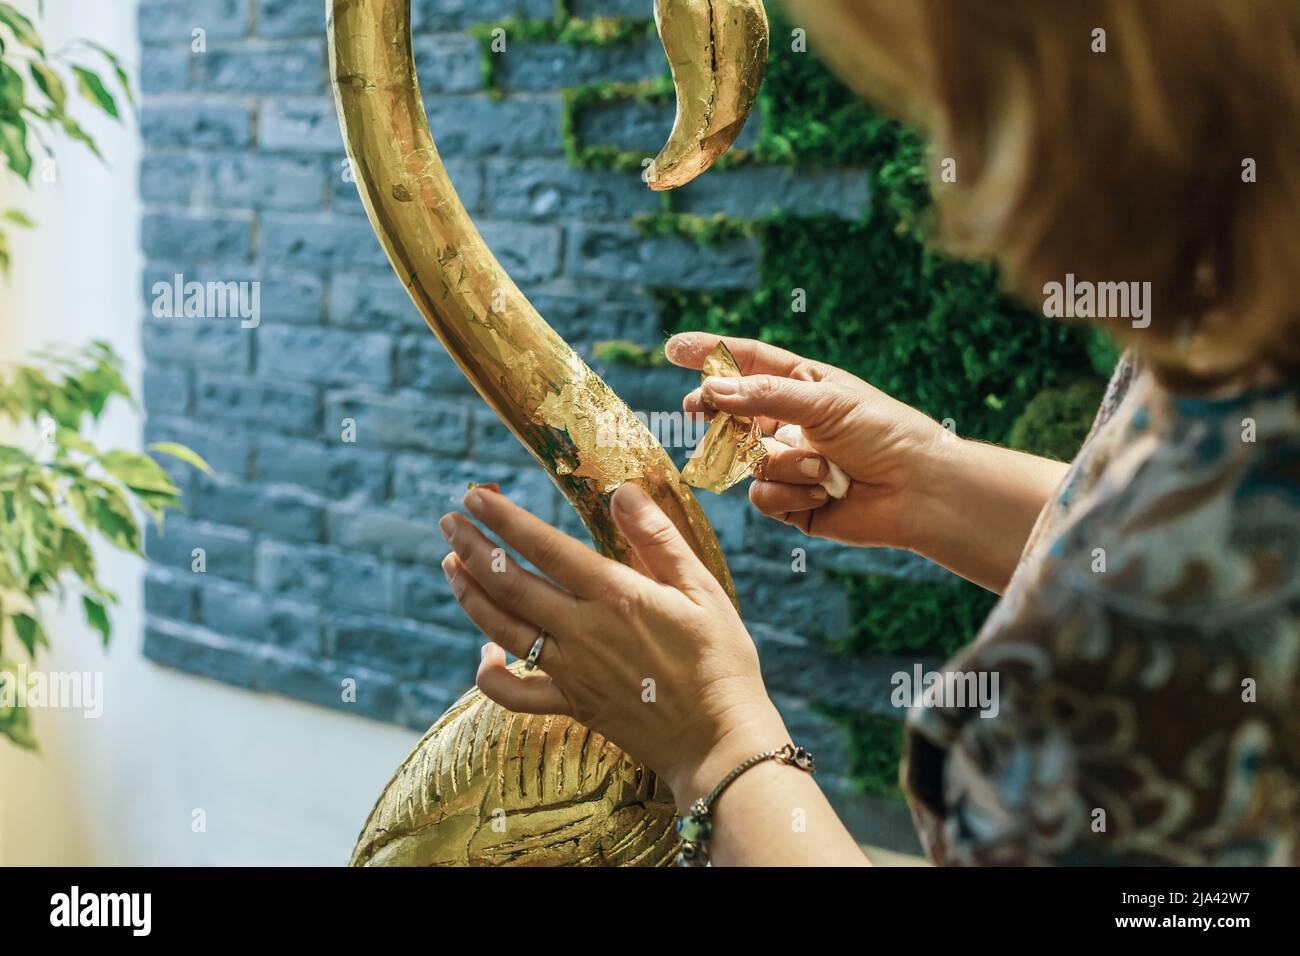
1147,651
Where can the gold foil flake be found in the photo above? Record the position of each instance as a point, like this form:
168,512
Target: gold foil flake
732,448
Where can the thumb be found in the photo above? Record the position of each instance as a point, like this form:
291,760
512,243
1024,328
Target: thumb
654,539
808,404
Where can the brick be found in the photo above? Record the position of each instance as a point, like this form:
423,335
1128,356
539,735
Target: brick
372,694
320,240
643,127
758,191
265,69
404,648
593,313
227,451
387,532
196,124
805,603
728,514
279,510
423,594
549,189
372,301
211,344
166,70
252,405
423,364
197,236
289,18
228,551
437,485
167,389
334,470
170,594
330,356
173,21
168,179
458,14
424,702
267,182
300,126
608,8
525,125
447,64
325,575
620,252
650,390
290,296
235,611
528,252
193,649
558,66
403,420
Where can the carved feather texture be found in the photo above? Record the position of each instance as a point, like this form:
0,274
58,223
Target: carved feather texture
487,787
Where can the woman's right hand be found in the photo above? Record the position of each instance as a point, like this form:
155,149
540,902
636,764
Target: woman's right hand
890,450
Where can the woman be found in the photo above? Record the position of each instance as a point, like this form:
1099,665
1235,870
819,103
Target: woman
1147,640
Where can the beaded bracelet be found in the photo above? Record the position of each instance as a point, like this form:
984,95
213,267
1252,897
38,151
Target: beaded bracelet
696,828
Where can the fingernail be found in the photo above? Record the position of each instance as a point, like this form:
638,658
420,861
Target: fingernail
483,651
630,499
817,493
812,467
447,525
721,386
474,500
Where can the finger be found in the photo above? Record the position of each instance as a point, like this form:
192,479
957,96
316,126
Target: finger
505,582
792,466
777,500
690,349
809,404
515,635
558,556
655,540
536,694
694,404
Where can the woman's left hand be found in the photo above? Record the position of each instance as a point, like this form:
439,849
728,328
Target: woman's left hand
659,662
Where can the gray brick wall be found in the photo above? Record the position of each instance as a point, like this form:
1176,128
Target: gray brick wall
319,556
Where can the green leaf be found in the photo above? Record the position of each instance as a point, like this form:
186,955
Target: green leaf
30,633
97,617
12,90
70,439
18,218
24,32
122,78
74,130
50,83
75,553
138,472
13,145
184,454
110,513
92,88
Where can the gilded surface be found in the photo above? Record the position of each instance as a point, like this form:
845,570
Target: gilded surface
717,50
732,448
486,786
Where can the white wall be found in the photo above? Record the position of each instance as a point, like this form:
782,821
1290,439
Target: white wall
281,782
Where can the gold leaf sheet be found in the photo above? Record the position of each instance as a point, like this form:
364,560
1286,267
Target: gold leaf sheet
732,448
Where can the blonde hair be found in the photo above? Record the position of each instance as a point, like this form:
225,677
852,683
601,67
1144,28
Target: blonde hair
1130,164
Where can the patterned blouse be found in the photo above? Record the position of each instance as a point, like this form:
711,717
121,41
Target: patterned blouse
1147,652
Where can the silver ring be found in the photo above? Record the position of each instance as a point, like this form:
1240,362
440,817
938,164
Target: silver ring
530,662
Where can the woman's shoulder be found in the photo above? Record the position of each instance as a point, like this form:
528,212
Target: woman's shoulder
1197,515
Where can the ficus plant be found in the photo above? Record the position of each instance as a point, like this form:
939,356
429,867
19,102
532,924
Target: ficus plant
59,492
32,114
